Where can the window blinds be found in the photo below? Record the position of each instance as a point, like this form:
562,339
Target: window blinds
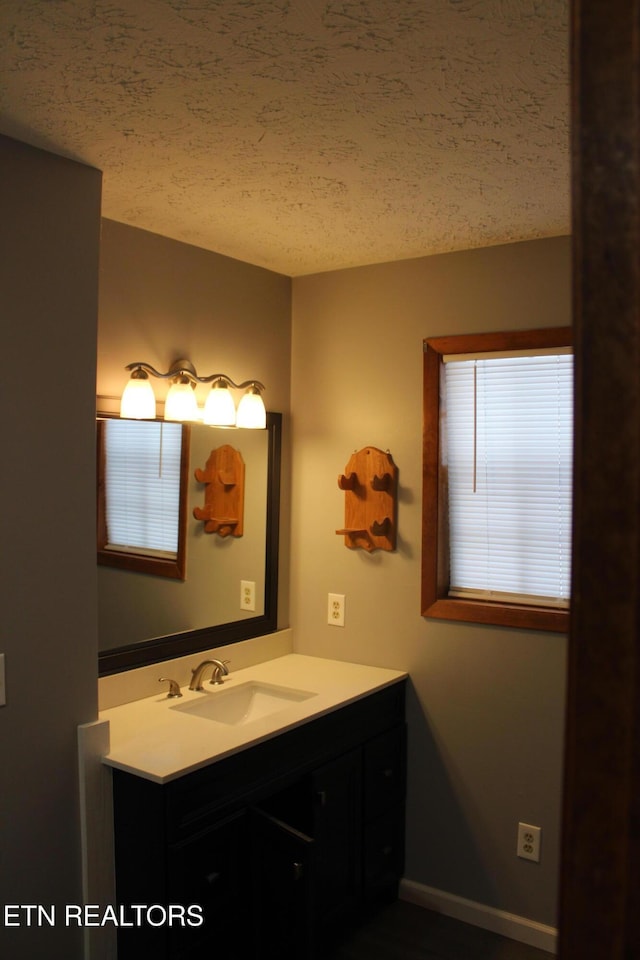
507,443
142,485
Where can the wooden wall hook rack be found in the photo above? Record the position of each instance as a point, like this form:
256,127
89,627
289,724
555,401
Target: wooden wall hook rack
347,481
223,510
381,528
227,478
370,483
381,482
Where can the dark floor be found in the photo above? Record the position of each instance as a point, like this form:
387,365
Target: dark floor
403,931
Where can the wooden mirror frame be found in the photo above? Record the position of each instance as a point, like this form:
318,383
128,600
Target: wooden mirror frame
193,641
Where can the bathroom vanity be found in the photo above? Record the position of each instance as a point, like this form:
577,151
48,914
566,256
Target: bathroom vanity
281,826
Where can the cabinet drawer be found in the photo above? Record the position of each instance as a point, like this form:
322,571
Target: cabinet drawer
384,772
383,862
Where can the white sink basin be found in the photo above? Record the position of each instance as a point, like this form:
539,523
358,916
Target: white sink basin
243,704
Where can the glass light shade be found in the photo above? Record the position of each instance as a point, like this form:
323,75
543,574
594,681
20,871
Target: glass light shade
219,409
181,403
251,412
138,400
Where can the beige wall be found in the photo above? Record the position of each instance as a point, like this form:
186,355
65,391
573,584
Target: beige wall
486,704
49,232
161,300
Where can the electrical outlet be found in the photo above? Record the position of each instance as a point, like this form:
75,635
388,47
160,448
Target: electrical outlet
247,595
529,842
335,612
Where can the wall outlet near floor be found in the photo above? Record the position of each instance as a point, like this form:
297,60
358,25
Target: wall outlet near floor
529,842
247,595
335,610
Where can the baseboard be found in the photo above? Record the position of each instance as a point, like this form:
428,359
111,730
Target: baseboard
479,915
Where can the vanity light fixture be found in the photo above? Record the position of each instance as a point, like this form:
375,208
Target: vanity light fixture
181,403
138,400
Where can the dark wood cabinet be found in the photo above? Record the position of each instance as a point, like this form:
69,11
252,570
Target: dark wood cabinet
209,870
278,844
336,791
283,866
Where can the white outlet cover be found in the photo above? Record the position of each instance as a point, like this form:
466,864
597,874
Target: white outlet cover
247,595
529,838
335,609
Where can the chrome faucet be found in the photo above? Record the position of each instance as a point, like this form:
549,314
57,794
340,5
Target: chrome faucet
219,671
174,687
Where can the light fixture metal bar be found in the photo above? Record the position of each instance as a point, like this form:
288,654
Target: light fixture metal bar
184,368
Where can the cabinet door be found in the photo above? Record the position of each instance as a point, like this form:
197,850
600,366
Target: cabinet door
384,855
337,830
384,791
283,881
211,870
384,772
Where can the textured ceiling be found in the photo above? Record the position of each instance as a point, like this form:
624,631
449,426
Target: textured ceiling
303,135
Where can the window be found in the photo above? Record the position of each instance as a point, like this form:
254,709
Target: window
498,414
142,469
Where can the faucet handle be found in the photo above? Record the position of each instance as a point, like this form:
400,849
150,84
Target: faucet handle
219,671
174,687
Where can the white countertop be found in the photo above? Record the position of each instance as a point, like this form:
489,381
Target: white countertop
154,741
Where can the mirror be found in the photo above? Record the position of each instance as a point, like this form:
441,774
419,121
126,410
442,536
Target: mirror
144,619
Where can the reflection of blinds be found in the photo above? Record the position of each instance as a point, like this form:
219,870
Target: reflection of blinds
508,449
142,485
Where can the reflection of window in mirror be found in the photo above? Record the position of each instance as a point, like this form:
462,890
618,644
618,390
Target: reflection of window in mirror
142,484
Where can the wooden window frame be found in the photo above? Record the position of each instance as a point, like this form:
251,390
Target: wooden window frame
175,568
436,602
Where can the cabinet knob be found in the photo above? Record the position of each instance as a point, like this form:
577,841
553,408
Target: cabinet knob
321,797
298,870
388,772
212,877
